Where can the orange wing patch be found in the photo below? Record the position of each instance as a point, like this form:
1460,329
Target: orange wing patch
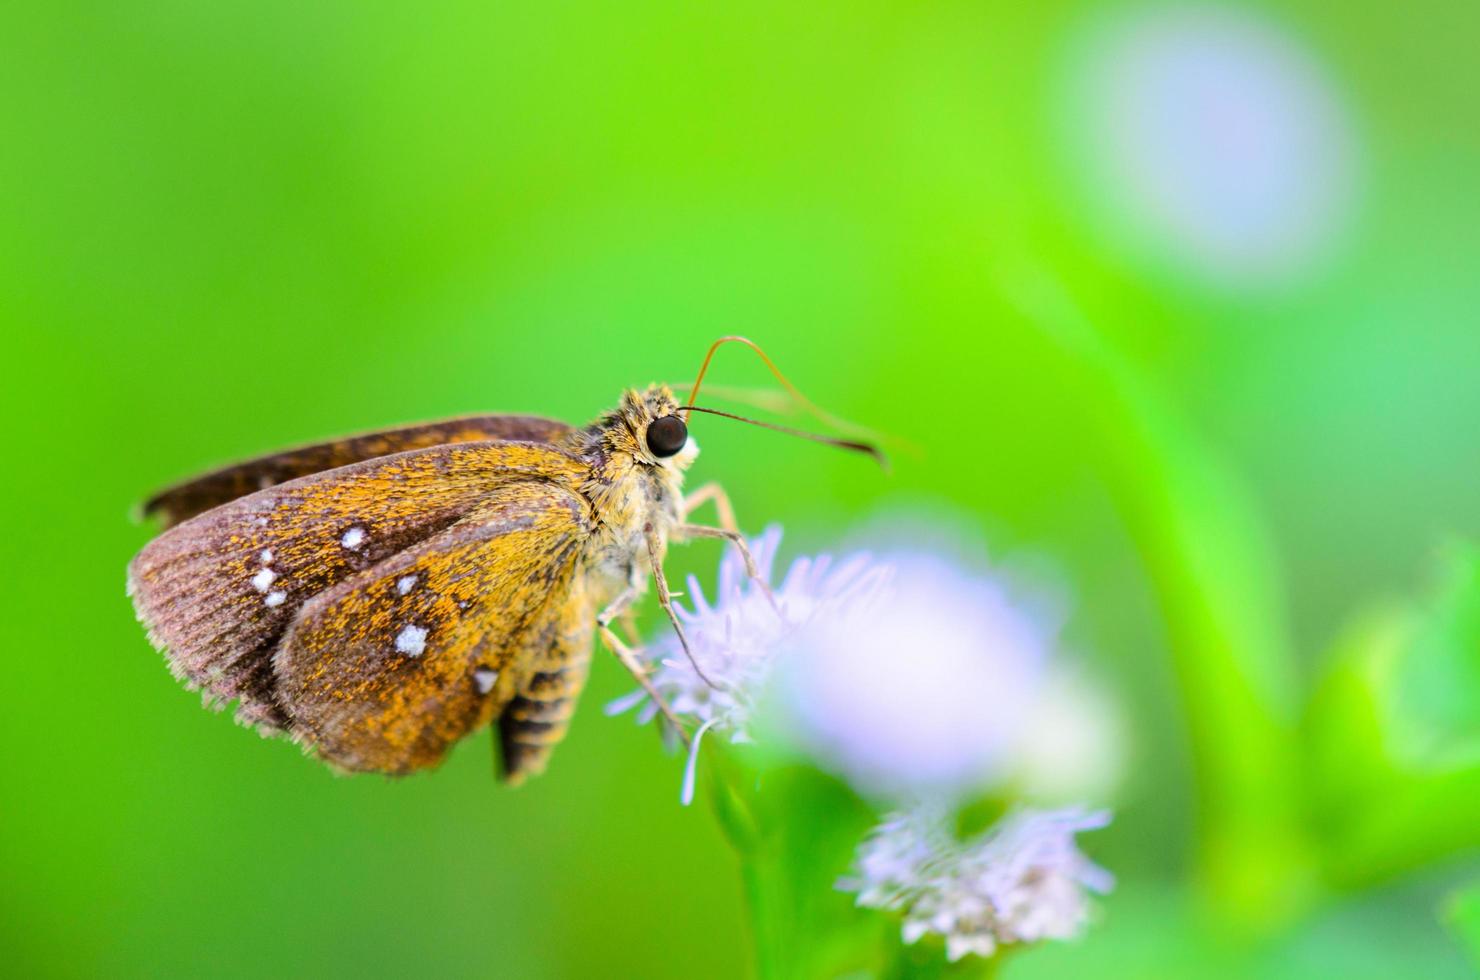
218,591
385,671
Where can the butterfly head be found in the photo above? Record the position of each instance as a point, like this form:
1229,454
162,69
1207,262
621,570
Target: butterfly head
648,426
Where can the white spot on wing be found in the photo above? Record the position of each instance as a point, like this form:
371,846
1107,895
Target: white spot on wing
353,538
405,584
412,640
267,556
263,580
485,678
274,598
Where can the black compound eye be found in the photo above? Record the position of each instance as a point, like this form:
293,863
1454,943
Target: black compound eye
666,436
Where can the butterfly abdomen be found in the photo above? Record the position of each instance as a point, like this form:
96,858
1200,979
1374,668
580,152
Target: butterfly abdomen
536,718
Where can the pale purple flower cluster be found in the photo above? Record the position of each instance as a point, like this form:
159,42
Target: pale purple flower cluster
1020,881
737,639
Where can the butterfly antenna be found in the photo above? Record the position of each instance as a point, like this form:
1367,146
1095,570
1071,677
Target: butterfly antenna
867,448
765,399
817,411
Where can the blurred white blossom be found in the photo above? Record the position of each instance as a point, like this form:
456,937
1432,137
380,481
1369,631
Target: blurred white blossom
1022,880
1219,136
927,690
1074,747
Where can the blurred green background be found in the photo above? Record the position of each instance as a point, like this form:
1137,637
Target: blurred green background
1178,300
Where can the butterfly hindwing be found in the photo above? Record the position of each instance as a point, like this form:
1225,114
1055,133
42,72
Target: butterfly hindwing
218,592
385,671
182,502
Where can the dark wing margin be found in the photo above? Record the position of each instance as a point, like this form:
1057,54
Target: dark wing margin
387,670
182,502
218,592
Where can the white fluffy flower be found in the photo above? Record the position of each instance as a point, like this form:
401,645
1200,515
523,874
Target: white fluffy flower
909,677
737,639
1021,881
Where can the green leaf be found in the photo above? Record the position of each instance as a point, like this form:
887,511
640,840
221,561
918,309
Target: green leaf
1393,733
1463,916
1436,717
796,830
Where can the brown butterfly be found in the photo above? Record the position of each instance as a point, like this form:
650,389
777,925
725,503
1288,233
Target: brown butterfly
379,597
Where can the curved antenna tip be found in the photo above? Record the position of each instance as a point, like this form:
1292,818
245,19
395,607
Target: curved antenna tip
866,448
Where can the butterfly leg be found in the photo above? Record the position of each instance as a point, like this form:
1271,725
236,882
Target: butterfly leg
629,660
738,540
628,622
665,599
728,529
722,505
618,607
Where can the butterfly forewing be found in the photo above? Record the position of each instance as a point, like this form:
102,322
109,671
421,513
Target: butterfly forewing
219,591
385,671
197,496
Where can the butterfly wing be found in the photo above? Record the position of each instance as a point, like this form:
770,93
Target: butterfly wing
385,671
219,591
180,503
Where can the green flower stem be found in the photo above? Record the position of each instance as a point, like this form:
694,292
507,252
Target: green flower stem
795,832
1219,588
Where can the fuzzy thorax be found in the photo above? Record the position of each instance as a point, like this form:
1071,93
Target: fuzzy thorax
629,487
